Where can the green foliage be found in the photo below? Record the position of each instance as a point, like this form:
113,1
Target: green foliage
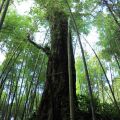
84,103
95,72
105,109
15,30
109,34
16,79
50,7
110,111
32,74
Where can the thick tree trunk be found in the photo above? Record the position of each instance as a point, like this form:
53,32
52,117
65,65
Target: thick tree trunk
55,99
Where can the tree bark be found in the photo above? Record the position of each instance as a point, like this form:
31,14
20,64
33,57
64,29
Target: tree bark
55,99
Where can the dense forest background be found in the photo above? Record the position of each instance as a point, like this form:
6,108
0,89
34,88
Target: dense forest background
48,63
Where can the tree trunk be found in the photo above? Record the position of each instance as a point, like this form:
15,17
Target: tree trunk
55,99
4,13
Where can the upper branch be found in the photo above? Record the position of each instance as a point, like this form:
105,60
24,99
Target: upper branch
45,48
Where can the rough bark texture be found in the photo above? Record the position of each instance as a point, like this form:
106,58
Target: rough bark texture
55,99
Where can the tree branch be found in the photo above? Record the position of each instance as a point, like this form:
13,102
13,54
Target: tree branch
45,49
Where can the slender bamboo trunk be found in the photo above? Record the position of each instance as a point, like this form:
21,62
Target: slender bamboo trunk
1,6
4,13
103,96
115,101
7,73
9,61
70,74
21,87
117,61
114,17
30,87
85,65
36,86
15,90
10,94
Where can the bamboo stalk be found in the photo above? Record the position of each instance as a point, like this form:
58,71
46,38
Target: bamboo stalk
85,64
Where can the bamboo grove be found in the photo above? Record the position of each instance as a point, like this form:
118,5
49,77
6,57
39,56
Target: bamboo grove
33,83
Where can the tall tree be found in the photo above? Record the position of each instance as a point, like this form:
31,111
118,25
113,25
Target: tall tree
55,100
